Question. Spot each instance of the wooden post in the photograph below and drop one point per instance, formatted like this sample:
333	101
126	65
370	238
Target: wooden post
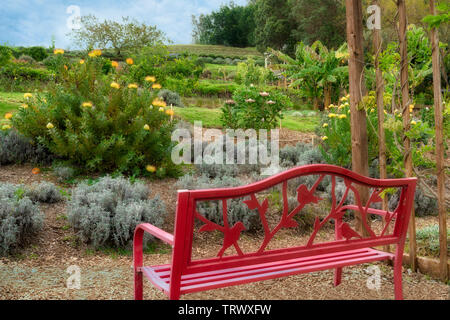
407	156
360	157
377	47
440	168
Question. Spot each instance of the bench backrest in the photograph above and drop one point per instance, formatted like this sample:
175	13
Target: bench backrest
345	236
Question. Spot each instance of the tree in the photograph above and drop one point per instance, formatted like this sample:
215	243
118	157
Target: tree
360	153
231	25
322	20
434	21
128	35
316	70
273	26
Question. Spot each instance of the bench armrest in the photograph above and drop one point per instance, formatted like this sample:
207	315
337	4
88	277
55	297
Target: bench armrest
138	241
156	232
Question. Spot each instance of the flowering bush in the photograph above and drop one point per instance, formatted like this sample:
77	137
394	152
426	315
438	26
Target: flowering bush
98	122
252	108
335	133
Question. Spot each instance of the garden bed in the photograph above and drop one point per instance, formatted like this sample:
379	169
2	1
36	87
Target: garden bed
39	271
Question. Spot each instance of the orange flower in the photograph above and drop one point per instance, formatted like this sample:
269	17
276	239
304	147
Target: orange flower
115	64
129	61
170	112
8	115
36	171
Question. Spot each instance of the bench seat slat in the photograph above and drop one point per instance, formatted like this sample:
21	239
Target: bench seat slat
250	273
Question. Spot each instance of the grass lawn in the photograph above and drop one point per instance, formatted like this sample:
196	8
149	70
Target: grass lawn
216	67
211	118
9	102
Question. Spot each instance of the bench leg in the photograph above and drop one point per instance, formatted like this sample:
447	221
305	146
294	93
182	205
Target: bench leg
337	276
398	286
138	286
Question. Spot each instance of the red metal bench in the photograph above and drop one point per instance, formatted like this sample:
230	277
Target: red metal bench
186	275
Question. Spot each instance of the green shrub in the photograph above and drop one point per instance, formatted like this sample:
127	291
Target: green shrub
252	109
250	73
20	219
15	71
5	55
107	212
99	127
37	53
184	87
213	89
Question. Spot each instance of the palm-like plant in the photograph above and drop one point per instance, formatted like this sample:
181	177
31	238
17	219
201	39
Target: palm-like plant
316	70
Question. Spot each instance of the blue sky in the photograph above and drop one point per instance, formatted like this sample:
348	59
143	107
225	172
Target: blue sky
34	22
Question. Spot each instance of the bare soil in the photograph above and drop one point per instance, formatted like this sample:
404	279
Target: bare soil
39	271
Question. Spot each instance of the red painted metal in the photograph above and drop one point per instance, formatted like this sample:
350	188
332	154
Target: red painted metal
185	275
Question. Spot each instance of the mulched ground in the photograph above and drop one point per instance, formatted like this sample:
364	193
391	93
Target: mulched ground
40	270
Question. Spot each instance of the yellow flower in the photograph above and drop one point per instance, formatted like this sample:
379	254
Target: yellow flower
150	168
95	53
344	99
159	103
50	125
161	109
115	85
413	122
372	110
411	108
8	115
342	116
132	86
324	138
331	106
81	61
325	125
58	51
129	61
156	86
147	127
332	115
170	112
115	64
24	106
150	79
87	104
6	127
385	112
27	95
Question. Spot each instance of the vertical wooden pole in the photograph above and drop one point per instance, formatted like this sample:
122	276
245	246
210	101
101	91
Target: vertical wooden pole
380	107
360	157
406	120
439	122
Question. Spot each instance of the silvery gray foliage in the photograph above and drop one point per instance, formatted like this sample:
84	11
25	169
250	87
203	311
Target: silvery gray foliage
339	193
63	173
107	212
171	98
45	192
423	205
299	155
17	149
212	210
20	219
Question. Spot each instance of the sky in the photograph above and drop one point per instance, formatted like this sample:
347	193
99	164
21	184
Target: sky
34	22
